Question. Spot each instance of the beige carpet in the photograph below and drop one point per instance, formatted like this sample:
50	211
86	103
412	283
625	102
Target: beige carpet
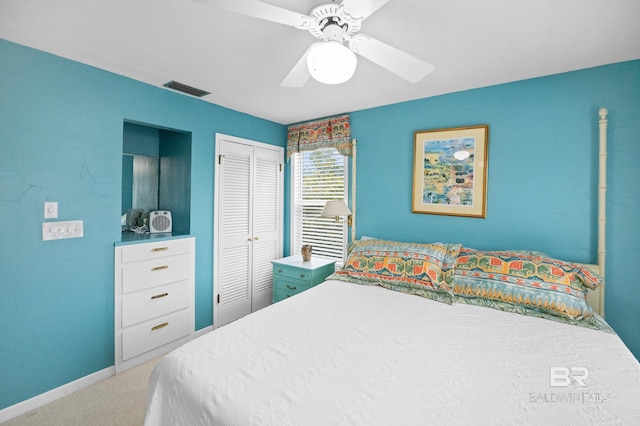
119	400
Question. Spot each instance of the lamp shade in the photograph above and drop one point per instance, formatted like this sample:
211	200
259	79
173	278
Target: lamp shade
335	208
331	62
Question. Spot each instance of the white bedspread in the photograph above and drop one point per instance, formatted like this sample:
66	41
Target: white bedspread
344	354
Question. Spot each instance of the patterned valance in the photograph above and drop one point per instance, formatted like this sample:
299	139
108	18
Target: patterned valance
332	132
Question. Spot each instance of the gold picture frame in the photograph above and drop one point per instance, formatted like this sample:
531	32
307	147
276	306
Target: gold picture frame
450	171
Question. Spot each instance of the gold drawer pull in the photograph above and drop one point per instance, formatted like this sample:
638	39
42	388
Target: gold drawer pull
158	327
160	268
160	249
159	296
291	288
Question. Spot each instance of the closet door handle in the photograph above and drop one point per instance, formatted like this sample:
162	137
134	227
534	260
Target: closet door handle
256	238
159	296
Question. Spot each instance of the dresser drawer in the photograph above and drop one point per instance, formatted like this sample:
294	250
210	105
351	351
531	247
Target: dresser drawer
298	274
156	250
139	339
152	303
143	275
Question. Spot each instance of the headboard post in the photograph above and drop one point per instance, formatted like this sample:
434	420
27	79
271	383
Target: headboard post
602	200
354	143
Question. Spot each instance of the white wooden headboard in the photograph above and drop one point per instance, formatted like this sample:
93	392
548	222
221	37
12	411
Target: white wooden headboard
595	298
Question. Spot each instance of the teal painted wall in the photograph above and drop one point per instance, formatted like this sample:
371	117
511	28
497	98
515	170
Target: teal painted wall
61	134
542	174
139	139
127	182
174	190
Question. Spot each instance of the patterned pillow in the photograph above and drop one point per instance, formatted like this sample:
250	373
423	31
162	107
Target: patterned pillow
422	269
529	283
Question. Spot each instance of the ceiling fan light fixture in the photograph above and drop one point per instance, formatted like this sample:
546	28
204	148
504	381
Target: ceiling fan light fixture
331	62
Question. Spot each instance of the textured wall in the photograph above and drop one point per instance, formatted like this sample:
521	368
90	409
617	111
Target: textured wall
61	133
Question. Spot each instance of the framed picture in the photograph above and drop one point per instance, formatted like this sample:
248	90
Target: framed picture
450	171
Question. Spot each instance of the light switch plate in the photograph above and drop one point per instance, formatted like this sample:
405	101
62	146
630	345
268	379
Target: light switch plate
62	229
51	210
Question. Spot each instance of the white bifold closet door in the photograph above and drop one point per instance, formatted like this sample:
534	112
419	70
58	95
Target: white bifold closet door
249	226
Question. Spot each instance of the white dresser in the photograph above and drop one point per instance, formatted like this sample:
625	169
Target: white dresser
154	299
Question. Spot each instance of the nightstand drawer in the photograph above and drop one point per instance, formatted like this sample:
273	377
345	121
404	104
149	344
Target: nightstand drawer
290	286
280	271
283	289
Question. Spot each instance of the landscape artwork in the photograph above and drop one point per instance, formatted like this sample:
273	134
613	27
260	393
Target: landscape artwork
450	171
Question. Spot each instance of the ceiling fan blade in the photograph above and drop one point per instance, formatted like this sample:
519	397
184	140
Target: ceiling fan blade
398	62
299	74
360	9
260	10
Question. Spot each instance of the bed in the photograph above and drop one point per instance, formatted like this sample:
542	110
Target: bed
408	334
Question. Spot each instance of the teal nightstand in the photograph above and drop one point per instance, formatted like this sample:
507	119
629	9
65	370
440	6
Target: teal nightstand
292	276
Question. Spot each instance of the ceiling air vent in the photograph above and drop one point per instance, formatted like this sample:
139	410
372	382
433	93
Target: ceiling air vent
185	89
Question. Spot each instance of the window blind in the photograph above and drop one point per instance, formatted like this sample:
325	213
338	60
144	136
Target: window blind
318	176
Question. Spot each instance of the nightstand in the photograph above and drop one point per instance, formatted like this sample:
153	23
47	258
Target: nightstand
292	276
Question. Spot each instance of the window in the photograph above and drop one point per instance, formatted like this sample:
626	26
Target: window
318	176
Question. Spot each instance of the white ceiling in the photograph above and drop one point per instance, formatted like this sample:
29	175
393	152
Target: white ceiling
241	60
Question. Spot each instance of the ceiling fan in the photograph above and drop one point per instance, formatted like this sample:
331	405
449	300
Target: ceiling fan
330	61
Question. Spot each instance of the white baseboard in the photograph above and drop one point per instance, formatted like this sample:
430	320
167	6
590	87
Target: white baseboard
38	401
54	394
203	331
